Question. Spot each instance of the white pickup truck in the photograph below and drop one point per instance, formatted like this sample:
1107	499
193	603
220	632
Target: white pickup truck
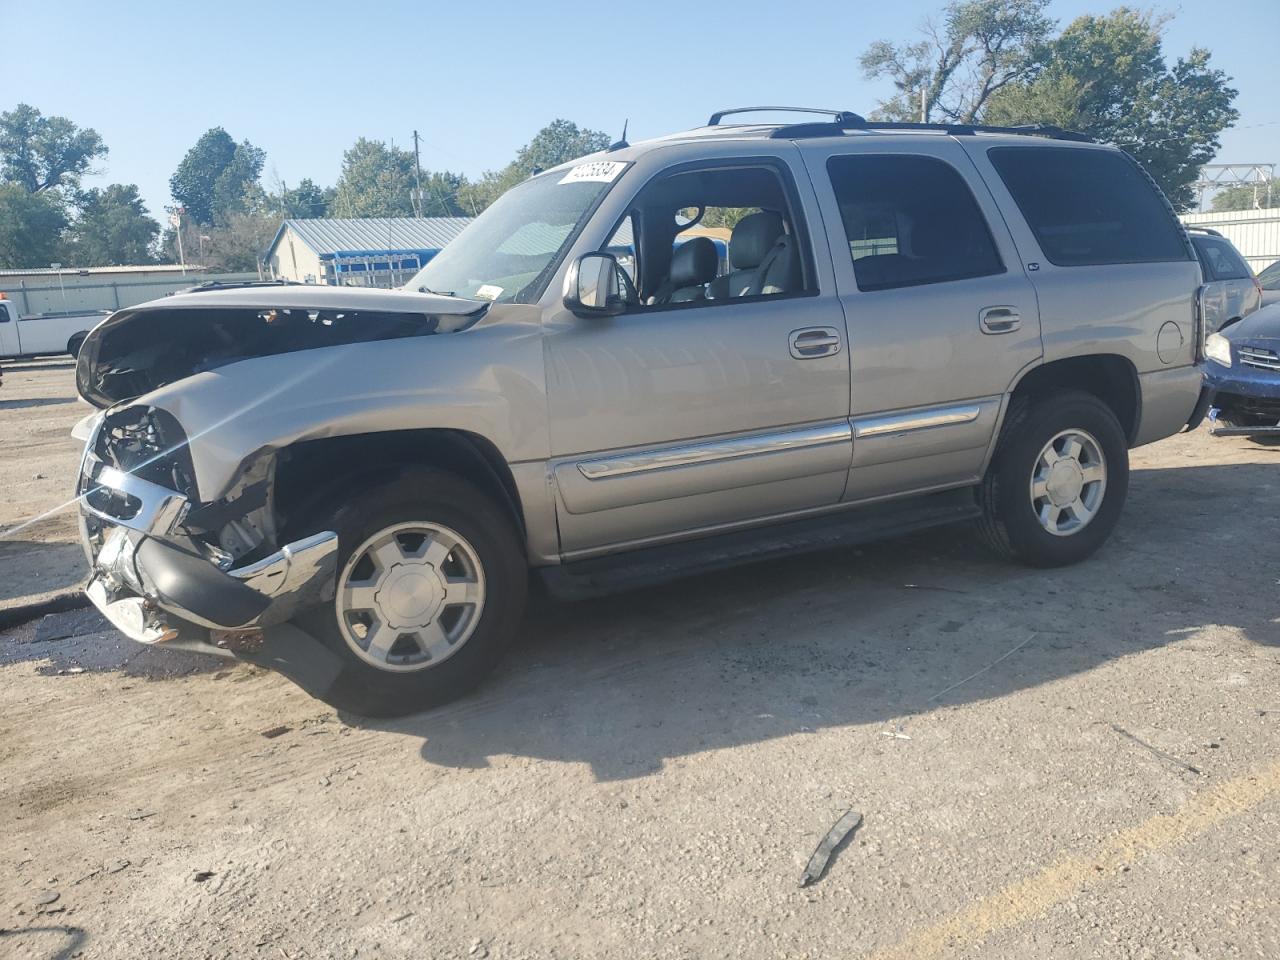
45	334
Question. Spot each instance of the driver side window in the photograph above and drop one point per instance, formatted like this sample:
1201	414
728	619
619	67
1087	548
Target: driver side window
707	236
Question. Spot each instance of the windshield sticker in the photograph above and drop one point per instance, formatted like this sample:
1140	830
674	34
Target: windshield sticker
488	291
601	171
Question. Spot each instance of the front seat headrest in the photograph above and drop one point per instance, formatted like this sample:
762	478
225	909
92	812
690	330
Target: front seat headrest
694	263
752	238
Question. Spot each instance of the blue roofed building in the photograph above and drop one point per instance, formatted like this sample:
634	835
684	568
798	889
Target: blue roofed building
370	252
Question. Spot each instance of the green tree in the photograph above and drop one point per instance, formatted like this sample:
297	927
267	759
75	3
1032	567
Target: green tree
237	245
978	49
218	177
558	142
236	189
376	181
1107	76
42	153
112	228
31	226
303	202
1248	196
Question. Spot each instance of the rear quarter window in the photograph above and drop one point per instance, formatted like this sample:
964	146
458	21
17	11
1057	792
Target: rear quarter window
1089	207
1221	259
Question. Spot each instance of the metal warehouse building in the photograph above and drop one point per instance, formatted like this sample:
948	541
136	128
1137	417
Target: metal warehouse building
372	252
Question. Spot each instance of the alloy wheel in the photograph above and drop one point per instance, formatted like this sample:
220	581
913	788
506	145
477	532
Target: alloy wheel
410	596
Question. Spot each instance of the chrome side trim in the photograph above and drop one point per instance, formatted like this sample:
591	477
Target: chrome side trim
905	422
712	451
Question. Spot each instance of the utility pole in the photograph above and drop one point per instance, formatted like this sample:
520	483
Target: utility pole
924	104
175	218
417	178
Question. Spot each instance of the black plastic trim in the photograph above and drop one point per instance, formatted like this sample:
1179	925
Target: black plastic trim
195	585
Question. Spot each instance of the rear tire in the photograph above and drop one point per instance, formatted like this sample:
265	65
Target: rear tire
431	588
1056	485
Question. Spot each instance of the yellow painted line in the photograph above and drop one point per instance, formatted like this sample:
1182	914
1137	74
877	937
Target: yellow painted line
1024	900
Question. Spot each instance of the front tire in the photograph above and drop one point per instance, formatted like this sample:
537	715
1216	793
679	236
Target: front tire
430	591
1056	485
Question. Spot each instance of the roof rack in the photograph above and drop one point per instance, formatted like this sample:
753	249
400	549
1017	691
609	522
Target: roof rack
845	121
838	116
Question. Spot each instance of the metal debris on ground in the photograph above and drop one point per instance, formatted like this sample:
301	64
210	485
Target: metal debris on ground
817	865
978	673
274	732
895	734
1155	751
200	876
140	814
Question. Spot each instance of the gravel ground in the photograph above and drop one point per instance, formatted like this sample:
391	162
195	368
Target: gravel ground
38	407
1065	764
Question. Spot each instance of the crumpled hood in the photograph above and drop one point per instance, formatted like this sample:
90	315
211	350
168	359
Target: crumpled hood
1262	324
144	347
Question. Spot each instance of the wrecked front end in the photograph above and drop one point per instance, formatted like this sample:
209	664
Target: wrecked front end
185	541
164	565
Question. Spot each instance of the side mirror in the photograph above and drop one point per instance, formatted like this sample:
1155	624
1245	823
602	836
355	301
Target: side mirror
593	286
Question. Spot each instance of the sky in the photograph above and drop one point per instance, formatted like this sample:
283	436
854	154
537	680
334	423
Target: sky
477	80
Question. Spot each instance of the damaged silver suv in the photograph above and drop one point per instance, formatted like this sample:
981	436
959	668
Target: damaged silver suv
914	325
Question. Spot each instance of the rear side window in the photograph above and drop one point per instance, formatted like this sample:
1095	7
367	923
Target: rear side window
1089	207
910	220
4	313
1220	259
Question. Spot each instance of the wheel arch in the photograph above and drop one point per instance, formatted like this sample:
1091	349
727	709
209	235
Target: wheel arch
1112	378
348	462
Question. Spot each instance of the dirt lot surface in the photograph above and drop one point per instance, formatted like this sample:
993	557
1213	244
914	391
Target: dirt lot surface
38	461
1053	765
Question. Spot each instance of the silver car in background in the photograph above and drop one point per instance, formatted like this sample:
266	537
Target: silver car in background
1231	292
1269	281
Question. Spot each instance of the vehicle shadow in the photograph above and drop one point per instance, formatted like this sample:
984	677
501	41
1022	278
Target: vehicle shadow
22	366
32	567
877	634
55	942
19	404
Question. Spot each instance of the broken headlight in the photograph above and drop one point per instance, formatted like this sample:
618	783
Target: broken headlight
150	444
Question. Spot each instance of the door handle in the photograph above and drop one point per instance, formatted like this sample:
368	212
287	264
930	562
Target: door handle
999	319
813	342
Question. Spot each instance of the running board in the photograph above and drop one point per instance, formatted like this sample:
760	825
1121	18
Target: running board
655	565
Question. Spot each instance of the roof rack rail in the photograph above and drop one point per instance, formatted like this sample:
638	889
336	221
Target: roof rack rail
801	131
838	116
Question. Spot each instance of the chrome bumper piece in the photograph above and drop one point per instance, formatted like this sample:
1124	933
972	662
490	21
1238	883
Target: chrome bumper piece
150	581
151	592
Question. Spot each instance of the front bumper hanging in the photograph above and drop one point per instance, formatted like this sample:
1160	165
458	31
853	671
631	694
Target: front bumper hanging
154	587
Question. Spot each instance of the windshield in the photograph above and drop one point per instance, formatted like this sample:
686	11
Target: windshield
508	251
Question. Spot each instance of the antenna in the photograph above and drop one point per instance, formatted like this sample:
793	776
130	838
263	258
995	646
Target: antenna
621	142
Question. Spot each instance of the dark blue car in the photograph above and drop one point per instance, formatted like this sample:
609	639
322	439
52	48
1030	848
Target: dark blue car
1242	371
